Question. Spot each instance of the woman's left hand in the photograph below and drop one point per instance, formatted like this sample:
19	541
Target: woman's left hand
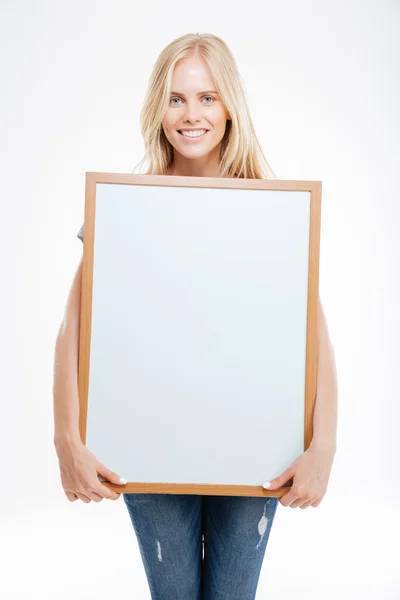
310	473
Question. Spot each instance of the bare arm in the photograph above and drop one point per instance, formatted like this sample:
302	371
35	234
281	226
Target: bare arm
326	406
65	373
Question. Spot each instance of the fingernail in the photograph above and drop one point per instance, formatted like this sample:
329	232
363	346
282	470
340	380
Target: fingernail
122	480
267	484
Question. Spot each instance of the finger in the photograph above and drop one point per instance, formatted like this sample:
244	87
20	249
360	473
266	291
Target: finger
289	498
280	480
317	503
110	475
95	497
298	502
104	491
83	497
71	496
307	504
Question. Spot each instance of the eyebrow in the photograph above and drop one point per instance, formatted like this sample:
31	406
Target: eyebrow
199	93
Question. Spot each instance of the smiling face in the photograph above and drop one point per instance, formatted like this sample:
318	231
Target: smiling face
195	107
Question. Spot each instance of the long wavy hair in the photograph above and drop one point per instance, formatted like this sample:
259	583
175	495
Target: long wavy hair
241	154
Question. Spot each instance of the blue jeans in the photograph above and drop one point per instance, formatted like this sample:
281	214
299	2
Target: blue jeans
197	547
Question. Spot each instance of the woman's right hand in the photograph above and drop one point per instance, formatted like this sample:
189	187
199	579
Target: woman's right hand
79	468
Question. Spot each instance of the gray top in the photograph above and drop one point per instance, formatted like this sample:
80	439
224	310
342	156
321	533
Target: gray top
80	233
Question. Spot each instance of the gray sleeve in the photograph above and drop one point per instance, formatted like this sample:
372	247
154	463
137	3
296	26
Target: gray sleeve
80	233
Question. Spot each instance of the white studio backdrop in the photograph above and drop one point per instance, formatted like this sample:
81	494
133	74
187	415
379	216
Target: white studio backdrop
323	89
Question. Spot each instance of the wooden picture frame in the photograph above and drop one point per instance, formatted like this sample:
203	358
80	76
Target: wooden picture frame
153	234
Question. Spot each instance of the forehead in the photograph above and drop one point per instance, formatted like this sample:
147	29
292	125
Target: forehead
192	74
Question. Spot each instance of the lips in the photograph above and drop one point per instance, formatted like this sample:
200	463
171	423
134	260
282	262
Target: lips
202	129
192	139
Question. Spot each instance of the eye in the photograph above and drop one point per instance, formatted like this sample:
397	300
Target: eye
176	98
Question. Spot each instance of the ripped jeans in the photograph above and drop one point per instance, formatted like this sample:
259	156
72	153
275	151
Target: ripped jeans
197	547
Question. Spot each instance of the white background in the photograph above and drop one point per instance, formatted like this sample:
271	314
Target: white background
322	80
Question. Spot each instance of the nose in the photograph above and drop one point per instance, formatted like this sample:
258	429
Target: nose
193	112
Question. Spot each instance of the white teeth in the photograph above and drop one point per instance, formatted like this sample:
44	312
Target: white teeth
194	133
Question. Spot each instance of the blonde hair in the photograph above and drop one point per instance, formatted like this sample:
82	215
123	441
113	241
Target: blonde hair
241	155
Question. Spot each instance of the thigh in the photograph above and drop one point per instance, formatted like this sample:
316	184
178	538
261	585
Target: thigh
236	532
168	530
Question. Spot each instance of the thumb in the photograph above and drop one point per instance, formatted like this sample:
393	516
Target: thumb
110	475
280	480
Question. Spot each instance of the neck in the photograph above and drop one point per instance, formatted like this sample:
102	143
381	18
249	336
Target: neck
201	167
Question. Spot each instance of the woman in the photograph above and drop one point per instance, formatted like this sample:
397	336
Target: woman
195	122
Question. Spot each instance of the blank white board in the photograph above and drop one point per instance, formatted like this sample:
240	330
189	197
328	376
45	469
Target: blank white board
199	313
